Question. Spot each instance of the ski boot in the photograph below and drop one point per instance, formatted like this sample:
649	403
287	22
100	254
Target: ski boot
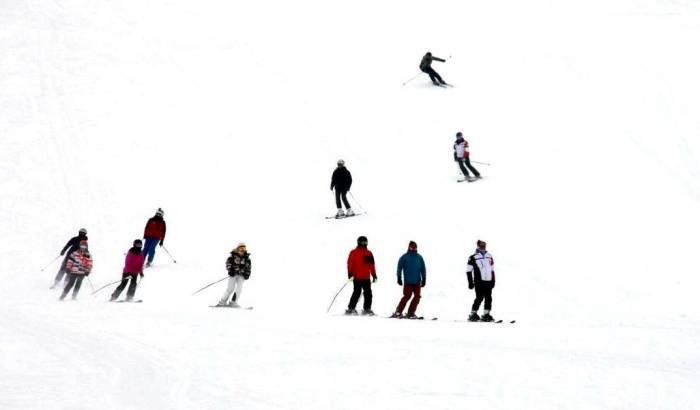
351	312
411	316
350	212
473	317
367	312
486	317
233	305
396	315
340	214
222	304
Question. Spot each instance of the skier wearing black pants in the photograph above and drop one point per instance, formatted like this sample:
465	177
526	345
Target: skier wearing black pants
72	246
461	155
133	267
425	66
360	269
342	181
483	281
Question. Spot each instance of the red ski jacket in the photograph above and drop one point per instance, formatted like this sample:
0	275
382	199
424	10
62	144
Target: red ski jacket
155	228
361	264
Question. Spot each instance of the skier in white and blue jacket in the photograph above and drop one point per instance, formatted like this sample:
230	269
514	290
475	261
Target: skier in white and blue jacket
483	281
412	266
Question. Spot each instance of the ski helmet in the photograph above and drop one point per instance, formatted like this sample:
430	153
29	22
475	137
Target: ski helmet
83	231
459	134
480	244
159	212
341	163
362	241
138	243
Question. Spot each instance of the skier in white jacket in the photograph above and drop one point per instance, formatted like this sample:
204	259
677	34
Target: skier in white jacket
461	155
483	281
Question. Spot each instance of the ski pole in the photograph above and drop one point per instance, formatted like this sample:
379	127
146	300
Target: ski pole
109	284
168	252
213	283
412	78
50	263
482	163
90	282
358	204
336	295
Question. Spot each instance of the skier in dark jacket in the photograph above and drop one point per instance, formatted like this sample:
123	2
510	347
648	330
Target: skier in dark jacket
72	245
412	266
360	269
153	234
484	280
239	268
425	66
342	181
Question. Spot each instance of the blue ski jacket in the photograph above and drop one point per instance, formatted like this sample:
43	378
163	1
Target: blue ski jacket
413	267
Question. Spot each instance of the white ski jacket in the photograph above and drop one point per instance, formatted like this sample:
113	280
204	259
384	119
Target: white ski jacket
482	267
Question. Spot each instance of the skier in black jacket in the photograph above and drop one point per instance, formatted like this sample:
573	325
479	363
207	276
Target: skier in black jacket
425	66
342	181
72	245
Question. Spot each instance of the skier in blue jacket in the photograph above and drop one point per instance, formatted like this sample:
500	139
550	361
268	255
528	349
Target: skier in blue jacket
412	266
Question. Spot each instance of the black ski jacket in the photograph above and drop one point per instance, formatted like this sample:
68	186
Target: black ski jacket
73	244
427	60
238	264
341	179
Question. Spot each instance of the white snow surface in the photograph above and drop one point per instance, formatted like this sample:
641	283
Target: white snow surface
231	116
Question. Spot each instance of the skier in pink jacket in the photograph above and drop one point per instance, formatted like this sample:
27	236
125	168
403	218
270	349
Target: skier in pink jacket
133	266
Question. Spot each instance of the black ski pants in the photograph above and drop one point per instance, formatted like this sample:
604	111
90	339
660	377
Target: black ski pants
341	195
364	286
483	293
132	286
73	279
434	76
465	161
61	270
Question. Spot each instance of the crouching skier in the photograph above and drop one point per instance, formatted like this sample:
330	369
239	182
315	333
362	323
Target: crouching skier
78	265
133	267
238	266
483	281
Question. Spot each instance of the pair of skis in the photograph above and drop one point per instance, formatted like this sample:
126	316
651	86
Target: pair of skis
469	179
345	216
232	307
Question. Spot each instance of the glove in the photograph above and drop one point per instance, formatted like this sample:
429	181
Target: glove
62	253
374	277
349	275
399	281
422	284
161	243
141	274
471	285
494	284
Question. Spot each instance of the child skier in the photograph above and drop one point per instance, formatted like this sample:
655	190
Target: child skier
72	246
78	266
413	268
133	266
461	155
153	234
239	267
483	281
425	66
342	181
360	268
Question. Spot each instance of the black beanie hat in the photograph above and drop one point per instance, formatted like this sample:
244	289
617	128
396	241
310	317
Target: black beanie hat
362	241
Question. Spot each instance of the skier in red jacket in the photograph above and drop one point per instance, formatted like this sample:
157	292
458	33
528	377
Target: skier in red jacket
153	234
360	269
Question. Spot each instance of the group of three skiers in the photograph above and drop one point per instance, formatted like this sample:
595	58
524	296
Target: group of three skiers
77	263
411	274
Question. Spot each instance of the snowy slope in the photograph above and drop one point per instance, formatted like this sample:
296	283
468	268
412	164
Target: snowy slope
231	118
